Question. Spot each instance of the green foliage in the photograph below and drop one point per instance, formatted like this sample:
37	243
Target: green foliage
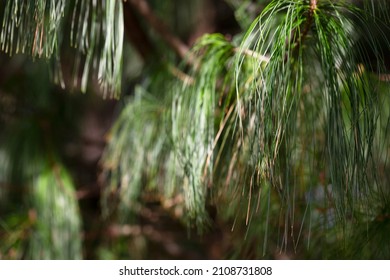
32	27
56	232
37	28
54	228
97	31
284	129
46	224
299	71
138	150
193	138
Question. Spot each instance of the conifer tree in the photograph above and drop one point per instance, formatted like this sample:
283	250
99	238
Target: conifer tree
277	129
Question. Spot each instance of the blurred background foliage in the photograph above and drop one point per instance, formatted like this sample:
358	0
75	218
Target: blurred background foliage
208	129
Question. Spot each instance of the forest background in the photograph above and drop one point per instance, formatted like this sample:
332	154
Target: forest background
202	129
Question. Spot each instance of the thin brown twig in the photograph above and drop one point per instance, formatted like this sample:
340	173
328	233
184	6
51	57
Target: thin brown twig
143	8
253	54
186	79
136	34
219	133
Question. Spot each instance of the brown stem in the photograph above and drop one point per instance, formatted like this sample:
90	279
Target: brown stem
136	34
160	27
313	5
309	22
296	43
